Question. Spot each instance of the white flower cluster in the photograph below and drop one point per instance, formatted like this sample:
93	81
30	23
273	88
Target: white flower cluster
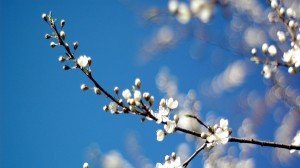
292	58
296	142
165	107
202	9
172	161
217	134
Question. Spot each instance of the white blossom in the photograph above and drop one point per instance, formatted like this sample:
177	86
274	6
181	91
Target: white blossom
83	61
170	126
281	36
274	4
220	134
267	71
160	135
113	107
272	50
84	87
126	94
173	6
292	57
172	104
265	47
137	97
137	83
296	142
183	15
170	162
290	12
85	165
97	90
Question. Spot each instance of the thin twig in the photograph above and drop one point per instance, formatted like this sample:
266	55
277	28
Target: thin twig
185	164
263	143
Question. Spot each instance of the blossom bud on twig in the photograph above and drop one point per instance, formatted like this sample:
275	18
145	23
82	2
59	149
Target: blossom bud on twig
44	16
61	59
138	83
253	51
97	91
62	23
52	44
66	67
84	87
47	36
62	35
116	90
75	45
146	96
264	48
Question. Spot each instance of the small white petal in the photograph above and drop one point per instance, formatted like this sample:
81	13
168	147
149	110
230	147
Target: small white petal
160	135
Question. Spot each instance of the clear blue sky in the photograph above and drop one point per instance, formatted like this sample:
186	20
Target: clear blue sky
47	121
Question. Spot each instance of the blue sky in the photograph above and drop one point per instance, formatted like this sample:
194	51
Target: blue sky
47	121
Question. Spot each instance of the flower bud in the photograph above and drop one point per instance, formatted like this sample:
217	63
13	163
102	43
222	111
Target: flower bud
292	70
274	4
66	67
138	83
272	50
75	45
253	51
52	44
203	135
281	12
281	36
105	108
97	91
44	16
116	90
151	100
290	13
173	155
176	118
85	165
47	36
292	24
61	59
84	87
62	35
264	48
62	23
146	96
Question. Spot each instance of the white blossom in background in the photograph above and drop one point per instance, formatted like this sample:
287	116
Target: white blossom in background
115	160
267	71
173	6
272	50
292	57
203	9
172	161
281	36
84	61
296	142
183	14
